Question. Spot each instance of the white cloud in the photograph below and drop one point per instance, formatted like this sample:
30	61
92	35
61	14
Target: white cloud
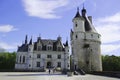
7	28
109	28
48	8
7	46
110	48
114	18
43	8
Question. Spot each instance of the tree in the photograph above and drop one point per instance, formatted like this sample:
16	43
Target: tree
111	63
7	60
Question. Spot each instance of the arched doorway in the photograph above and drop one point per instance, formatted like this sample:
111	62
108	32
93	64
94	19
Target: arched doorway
49	64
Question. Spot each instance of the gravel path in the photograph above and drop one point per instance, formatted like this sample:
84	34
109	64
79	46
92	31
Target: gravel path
46	76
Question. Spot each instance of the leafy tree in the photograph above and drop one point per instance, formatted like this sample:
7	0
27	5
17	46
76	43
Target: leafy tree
111	63
7	60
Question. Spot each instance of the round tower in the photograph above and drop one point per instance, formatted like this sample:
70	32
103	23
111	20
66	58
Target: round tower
85	44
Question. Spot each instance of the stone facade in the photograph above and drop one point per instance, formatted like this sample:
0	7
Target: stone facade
44	53
85	44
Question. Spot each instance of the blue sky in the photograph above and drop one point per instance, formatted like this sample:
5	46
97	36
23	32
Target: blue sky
51	18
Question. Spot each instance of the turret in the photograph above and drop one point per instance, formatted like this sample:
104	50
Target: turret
30	46
30	54
85	43
78	22
83	12
66	55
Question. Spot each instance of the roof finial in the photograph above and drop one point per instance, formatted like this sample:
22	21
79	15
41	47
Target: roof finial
26	37
39	35
83	6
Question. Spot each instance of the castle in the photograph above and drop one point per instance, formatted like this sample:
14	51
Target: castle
42	54
46	53
85	43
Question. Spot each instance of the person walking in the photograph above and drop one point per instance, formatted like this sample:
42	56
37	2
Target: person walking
49	71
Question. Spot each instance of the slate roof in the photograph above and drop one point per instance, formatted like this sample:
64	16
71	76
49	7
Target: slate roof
88	25
43	42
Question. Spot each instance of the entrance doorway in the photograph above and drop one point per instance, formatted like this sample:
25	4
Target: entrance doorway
49	64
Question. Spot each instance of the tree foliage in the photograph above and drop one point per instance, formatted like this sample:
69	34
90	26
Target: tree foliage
111	63
7	60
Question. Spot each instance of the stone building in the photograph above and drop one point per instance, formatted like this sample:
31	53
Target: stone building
42	54
85	43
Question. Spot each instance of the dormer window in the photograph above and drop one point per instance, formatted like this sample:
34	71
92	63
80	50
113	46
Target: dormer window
39	48
49	47
23	59
59	49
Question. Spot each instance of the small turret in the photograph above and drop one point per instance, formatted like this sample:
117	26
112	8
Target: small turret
30	43
77	14
83	11
78	22
66	44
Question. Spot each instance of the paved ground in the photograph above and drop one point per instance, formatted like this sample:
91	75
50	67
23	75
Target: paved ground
46	76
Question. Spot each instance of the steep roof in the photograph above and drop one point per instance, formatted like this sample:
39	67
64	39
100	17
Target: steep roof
78	14
44	44
88	23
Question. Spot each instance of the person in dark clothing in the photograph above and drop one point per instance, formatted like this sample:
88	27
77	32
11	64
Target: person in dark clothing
49	71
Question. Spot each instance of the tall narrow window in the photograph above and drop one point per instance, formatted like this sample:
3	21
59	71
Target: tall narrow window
20	59
76	25
38	64
23	59
59	64
76	36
